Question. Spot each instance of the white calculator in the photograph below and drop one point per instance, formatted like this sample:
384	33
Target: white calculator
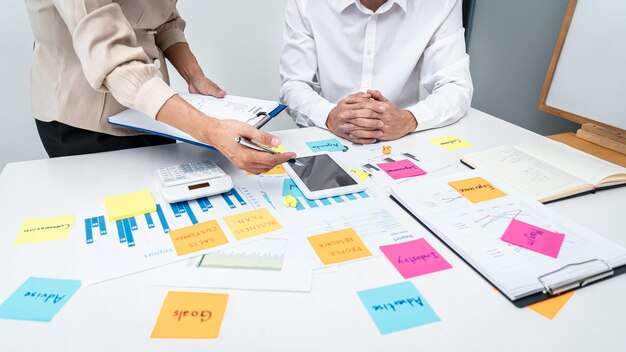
193	180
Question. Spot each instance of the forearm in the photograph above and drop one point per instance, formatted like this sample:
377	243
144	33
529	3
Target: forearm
178	113
184	61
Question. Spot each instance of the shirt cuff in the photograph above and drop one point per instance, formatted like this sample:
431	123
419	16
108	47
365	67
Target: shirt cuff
319	115
170	34
152	96
423	115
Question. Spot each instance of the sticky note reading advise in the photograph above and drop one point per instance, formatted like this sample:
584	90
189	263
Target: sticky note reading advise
252	223
451	142
190	315
339	246
534	238
327	145
128	205
198	237
45	229
401	169
397	307
38	299
415	258
477	189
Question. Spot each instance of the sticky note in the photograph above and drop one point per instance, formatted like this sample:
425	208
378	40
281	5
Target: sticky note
551	307
252	223
477	189
401	169
397	307
339	246
45	229
38	299
277	170
361	175
534	238
190	315
415	258
279	149
451	142
198	237
129	205
327	145
290	188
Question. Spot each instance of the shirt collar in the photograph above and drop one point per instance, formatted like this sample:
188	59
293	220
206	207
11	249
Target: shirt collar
343	4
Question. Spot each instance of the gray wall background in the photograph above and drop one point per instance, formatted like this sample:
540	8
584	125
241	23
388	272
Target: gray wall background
238	44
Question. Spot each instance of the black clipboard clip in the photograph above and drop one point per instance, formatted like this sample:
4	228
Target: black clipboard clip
578	282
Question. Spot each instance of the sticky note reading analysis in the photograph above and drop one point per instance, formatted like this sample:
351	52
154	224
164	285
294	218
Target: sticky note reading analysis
38	299
190	315
339	246
401	169
533	238
198	237
327	145
451	142
45	229
551	307
477	189
397	307
129	205
415	258
252	223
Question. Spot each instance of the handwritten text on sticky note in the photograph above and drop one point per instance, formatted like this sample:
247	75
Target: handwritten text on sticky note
129	205
415	258
291	189
328	145
252	223
477	189
397	307
38	299
534	238
451	142
198	237
339	246
45	229
401	169
190	315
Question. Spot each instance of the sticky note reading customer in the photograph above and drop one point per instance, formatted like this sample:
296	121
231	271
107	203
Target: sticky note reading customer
401	169
534	238
252	223
128	205
415	258
190	315
327	145
45	229
339	246
451	142
38	299
477	189
198	237
397	307
551	307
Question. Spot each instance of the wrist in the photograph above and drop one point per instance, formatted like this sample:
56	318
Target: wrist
411	120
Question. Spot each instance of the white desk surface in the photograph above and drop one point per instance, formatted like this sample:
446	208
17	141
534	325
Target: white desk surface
119	315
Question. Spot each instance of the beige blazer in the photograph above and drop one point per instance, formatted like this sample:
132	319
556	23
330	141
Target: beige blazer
94	58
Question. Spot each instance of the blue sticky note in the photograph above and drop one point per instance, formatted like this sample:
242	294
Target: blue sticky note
397	307
38	299
290	188
327	145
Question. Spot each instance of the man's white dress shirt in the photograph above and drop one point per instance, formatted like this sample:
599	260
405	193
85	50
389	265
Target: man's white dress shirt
333	48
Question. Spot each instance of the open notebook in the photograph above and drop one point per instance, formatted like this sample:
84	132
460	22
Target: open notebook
549	170
473	227
248	110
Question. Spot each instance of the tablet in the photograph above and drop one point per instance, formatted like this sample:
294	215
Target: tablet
320	176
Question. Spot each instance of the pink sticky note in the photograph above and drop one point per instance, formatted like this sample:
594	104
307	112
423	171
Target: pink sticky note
401	169
415	258
534	238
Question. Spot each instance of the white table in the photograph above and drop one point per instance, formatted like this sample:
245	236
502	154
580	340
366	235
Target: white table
119	315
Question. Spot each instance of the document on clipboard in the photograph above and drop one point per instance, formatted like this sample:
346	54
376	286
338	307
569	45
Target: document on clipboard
255	112
522	247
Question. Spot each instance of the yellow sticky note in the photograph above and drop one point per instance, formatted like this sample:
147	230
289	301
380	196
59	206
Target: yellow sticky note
277	170
279	149
477	189
198	237
551	307
128	205
252	223
190	315
45	229
361	175
451	142
339	246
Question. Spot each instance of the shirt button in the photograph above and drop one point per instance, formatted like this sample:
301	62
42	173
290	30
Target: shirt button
369	51
157	63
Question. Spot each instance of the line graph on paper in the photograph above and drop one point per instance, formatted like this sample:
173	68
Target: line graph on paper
267	254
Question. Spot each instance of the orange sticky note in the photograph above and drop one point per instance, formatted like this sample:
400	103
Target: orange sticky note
551	307
339	246
190	315
252	223
477	189
198	237
277	170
